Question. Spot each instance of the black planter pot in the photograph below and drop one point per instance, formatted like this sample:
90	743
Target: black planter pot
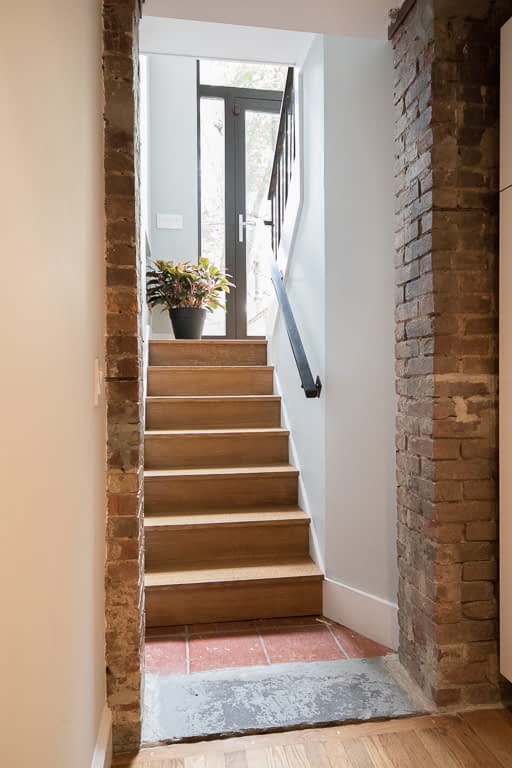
187	322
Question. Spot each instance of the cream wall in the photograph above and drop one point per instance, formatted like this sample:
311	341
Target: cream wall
52	437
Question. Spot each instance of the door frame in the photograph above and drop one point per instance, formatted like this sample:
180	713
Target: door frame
234	174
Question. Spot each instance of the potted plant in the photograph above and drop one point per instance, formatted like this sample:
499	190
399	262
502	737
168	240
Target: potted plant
188	291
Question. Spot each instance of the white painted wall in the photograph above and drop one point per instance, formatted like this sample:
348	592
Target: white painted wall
305	284
341	286
172	161
52	492
204	40
366	18
359	386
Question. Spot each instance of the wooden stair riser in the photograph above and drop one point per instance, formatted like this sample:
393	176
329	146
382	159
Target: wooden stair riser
233	601
163	494
210	381
215	450
213	414
169	547
208	352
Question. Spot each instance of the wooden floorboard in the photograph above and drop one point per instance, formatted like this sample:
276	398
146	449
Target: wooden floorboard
480	739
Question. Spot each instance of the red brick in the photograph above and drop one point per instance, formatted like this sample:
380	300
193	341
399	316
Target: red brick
485	609
446	255
479	571
483	530
474	591
124	577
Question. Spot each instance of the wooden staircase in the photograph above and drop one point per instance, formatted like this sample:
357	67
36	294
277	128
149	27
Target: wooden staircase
224	537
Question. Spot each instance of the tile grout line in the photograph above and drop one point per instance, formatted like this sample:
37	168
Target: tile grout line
263	647
340	646
165	636
187	651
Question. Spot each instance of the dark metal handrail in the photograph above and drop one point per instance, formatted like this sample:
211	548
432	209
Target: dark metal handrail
312	387
284	157
280	179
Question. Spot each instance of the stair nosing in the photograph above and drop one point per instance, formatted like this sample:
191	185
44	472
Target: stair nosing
234	431
153	398
236	523
237	580
228	471
196	368
231	565
208	341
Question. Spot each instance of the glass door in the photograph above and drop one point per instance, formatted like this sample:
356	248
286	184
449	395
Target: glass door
238	130
260	126
212	208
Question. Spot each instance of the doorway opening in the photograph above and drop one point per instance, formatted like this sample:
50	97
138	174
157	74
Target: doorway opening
239	106
236	638
206	170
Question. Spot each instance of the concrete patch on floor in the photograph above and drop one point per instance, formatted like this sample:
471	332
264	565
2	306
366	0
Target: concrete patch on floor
281	696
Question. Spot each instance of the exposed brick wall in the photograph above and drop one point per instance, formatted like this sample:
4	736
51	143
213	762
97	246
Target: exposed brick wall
446	142
124	567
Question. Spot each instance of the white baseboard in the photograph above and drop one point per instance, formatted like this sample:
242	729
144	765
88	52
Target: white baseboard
367	614
102	757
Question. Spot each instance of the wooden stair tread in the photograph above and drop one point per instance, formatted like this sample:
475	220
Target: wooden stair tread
228	571
198	369
229	431
208	342
212	398
269	469
255	515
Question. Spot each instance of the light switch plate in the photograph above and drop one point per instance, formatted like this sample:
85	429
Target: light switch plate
169	221
98	382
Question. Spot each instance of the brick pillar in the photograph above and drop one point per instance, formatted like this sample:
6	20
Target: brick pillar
446	148
124	566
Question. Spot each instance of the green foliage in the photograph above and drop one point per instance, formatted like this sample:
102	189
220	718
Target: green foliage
186	285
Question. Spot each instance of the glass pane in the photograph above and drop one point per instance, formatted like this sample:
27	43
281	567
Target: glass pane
260	137
239	74
213	240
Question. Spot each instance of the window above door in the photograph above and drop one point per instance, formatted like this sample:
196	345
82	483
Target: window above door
242	74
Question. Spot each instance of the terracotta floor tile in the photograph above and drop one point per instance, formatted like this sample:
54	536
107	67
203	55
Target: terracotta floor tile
166	657
217	651
300	644
165	631
356	646
289	621
221	626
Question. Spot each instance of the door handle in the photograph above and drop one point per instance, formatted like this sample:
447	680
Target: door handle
241	226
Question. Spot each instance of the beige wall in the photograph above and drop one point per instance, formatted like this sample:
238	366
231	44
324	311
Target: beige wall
52	437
